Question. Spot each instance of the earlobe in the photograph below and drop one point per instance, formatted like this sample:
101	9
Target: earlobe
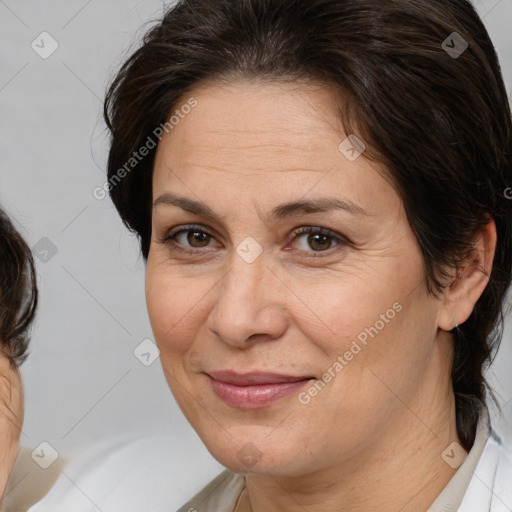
462	294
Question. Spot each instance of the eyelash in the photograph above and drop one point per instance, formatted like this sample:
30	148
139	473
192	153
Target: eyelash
340	240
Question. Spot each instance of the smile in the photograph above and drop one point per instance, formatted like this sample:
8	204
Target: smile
255	390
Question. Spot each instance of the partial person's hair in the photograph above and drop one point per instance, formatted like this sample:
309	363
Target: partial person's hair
18	293
440	122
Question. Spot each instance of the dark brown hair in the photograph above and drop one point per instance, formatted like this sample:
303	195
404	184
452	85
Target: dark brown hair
18	292
440	122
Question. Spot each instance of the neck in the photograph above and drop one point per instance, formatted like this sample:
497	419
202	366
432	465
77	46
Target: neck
402	470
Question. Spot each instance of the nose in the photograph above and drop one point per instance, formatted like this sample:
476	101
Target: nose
249	304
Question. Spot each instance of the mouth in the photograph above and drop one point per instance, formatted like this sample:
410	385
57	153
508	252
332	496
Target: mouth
254	390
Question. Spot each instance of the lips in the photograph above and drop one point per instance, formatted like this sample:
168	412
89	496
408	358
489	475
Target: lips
253	378
256	389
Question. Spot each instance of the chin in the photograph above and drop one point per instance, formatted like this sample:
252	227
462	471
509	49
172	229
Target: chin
250	451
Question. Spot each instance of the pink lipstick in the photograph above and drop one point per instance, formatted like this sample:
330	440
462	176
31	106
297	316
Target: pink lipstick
254	390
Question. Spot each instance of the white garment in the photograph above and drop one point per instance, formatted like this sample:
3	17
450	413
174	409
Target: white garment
490	488
147	473
150	474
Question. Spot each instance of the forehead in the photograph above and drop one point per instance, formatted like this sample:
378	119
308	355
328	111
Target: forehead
260	136
244	118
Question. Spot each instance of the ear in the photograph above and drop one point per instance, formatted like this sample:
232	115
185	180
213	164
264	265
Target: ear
471	279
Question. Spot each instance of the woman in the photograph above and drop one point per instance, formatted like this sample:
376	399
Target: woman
18	292
318	188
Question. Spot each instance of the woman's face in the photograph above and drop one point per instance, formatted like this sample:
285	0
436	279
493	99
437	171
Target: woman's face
341	309
11	418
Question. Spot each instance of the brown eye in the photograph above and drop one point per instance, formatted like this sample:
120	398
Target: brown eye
188	238
198	239
319	242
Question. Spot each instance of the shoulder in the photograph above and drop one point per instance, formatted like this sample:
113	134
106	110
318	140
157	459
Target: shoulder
220	495
490	488
29	481
129	474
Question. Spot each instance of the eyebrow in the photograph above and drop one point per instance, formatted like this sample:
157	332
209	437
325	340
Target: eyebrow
280	212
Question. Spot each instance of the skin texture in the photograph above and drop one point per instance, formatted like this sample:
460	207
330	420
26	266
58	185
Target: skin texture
11	418
372	438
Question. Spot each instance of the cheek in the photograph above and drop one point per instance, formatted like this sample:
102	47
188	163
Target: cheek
379	355
175	306
370	323
344	309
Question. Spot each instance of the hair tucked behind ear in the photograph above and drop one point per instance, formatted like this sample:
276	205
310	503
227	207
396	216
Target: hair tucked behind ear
18	292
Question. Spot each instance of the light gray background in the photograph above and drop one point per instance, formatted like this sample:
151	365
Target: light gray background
82	381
